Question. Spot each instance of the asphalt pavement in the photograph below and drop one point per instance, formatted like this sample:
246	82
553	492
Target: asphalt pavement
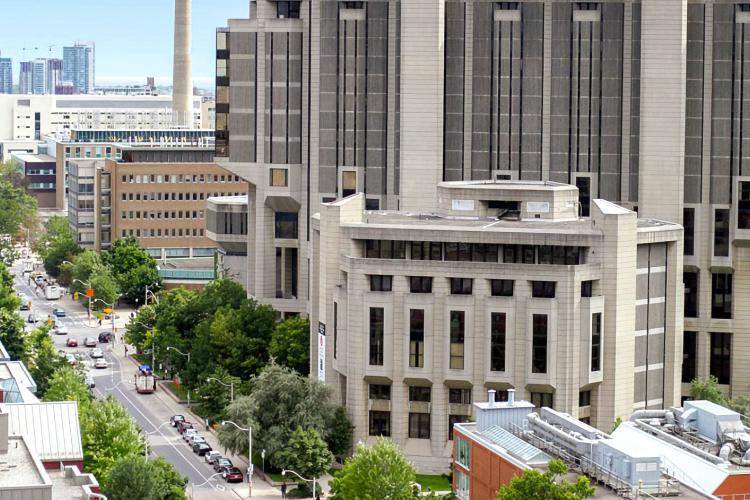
151	411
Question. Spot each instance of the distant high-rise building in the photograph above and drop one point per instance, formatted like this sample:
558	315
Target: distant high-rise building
6	75
39	76
54	74
78	66
24	78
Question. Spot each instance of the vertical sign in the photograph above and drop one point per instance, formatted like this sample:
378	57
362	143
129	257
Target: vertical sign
321	351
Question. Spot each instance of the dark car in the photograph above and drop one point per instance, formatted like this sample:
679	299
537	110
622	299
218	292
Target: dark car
176	419
31	318
232	474
59	312
89	342
105	337
201	448
25	306
221	463
183	426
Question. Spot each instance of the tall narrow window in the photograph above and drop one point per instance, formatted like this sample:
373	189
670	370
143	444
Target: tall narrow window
596	342
335	329
721	356
690	280
689	355
455	419
416	338
376	335
497	342
688	222
419	394
419	425
721	295
584	194
457	330
380	423
348	183
539	344
743	206
721	232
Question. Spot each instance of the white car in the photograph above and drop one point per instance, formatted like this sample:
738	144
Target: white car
196	439
100	363
189	434
90	381
211	456
61	330
96	353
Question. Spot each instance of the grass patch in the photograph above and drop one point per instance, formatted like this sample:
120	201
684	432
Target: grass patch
178	391
434	482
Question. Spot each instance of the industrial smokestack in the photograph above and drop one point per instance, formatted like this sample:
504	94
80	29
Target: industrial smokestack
182	70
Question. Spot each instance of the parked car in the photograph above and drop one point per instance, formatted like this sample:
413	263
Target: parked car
211	457
61	330
25	304
89	342
96	353
176	419
201	448
100	363
71	343
71	358
31	318
90	380
59	312
196	439
232	475
105	337
221	463
188	434
183	426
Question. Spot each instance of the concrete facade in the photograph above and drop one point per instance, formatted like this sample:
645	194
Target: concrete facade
577	313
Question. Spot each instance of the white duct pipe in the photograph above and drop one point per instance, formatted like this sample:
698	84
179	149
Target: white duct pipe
647	414
680	443
574	442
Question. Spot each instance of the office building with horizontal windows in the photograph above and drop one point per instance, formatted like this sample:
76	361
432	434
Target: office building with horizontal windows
504	286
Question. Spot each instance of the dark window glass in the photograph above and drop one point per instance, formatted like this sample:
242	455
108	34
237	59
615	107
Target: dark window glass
419	425
584	194
372	204
372	249
419	394
743	206
528	254
385	249
451	251
380	423
481	252
721	356
289	10
587	288
539	344
461	286
543	289
376	336
464	252
688	222
459	396
416	338
457	331
584	398
545	254
455	419
509	254
721	295
436	251
286	225
690	279
540	399
380	283
689	355
721	232
497	342
420	284
418	250
501	288
596	342
380	391
558	255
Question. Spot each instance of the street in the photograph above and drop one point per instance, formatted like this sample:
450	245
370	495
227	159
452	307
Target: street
151	411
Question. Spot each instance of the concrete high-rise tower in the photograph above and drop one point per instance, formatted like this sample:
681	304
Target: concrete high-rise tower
182	71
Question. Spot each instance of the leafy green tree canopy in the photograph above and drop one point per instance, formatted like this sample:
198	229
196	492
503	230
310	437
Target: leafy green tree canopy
135	477
68	384
9	300
56	246
547	485
290	344
708	389
133	268
375	472
12	335
306	453
44	359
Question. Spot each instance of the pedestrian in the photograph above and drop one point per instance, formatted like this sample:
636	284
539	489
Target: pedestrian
283	490
100	321
126	350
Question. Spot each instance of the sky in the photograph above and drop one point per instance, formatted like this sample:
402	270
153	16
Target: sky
133	37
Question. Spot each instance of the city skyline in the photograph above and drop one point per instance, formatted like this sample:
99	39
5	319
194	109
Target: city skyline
149	38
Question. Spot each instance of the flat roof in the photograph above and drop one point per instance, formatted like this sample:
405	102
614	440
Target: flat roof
710	406
34	158
229	200
52	428
509	185
20	467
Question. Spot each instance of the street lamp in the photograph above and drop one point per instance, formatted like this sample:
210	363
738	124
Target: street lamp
217	487
249	454
313	480
153	341
230	385
88	287
170	348
145	444
145	298
112	308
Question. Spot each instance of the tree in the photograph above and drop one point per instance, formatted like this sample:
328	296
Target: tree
9	301
548	485
68	384
707	388
108	435
57	245
306	453
44	359
90	269
290	344
135	331
374	472
215	397
105	288
17	210
340	437
12	335
132	267
135	477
